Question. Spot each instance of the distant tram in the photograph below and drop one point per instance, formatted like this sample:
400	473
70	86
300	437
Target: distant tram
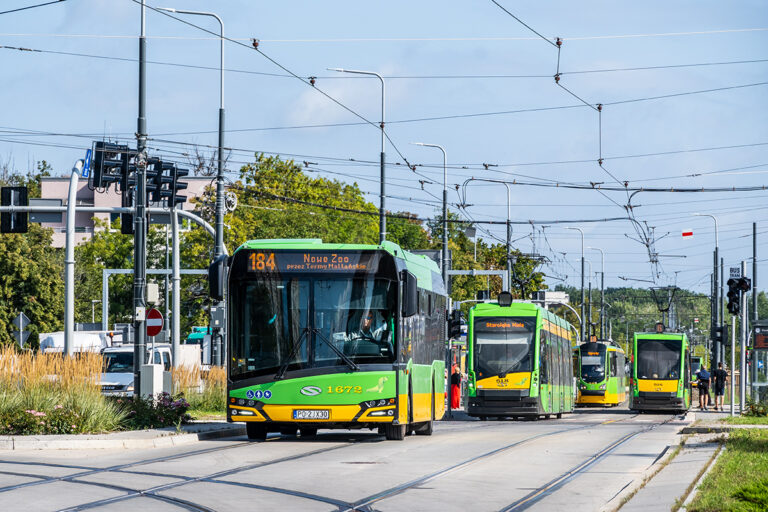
601	374
519	361
661	372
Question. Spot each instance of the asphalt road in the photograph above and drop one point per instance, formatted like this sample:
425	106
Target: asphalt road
580	462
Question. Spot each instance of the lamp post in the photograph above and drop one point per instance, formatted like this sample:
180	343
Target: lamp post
582	277
717	320
444	266
382	216
602	290
219	244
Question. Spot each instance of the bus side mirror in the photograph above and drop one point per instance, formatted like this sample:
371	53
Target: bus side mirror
410	294
217	277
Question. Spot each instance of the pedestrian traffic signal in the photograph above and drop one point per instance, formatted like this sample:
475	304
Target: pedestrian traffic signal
734	296
721	334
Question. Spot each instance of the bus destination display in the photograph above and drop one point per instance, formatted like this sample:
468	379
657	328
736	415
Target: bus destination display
311	262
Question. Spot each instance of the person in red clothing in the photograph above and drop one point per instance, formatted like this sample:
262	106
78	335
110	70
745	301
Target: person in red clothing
455	388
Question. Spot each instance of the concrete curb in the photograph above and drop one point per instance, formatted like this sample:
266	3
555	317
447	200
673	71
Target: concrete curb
616	502
144	439
695	490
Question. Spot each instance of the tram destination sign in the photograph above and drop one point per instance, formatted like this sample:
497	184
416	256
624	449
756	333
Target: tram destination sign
312	261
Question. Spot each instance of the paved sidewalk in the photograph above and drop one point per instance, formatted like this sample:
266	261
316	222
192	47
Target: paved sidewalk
132	439
671	484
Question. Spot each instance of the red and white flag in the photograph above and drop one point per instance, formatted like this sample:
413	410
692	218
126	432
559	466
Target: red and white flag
687	232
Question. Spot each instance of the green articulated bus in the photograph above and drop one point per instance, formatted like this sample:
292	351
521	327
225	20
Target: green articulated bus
519	360
332	336
601	373
661	372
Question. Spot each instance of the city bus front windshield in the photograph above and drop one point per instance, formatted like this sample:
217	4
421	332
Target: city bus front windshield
304	322
658	359
503	345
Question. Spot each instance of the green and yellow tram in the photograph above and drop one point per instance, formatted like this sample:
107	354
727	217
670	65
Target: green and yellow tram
332	336
661	372
601	374
519	360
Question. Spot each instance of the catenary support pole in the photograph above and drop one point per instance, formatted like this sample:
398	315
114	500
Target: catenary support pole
743	351
733	365
176	318
69	261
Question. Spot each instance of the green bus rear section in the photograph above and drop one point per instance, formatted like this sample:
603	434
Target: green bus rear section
543	395
677	400
410	393
612	389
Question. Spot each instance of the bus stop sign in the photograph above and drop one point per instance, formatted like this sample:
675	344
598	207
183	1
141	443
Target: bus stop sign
154	322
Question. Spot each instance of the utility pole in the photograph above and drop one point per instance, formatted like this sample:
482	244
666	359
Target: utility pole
140	218
744	320
582	279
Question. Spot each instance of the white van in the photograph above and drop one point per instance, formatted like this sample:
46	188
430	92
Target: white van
117	379
82	341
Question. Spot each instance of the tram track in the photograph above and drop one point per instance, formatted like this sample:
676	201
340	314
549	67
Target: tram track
555	484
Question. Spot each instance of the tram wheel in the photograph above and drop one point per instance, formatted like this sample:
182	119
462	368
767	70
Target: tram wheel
308	431
482	418
559	415
256	432
395	432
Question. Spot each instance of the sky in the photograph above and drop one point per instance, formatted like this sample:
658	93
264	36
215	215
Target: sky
683	86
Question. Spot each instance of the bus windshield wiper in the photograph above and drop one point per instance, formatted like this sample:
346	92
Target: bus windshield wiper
294	350
339	353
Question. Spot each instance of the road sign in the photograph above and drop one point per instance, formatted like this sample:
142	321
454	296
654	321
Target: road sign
736	272
51	217
21	322
86	165
154	322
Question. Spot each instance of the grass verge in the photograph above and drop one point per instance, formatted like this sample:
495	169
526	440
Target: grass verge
746	420
739	480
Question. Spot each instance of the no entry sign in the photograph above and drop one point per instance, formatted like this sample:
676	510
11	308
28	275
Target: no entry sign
154	322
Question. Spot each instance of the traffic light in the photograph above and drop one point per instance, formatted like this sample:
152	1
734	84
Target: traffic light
734	296
454	324
14	222
176	186
721	334
110	164
744	284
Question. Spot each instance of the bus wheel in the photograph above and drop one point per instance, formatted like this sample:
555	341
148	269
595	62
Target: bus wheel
482	418
288	431
256	432
425	429
395	432
308	431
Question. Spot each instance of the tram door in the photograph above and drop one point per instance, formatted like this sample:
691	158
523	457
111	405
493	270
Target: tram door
563	360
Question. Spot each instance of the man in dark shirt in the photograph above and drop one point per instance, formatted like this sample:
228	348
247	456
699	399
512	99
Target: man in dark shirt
721	378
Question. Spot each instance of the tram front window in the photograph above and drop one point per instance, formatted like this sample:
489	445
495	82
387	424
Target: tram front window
593	364
503	345
658	359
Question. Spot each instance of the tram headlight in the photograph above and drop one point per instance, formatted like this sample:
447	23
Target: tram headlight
602	387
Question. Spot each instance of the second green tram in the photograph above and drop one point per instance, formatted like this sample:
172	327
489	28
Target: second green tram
519	362
601	374
661	372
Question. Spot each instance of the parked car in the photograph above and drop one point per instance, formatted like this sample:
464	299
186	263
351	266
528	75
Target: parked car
117	379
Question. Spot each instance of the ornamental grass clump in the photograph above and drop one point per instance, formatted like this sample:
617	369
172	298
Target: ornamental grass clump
51	394
205	390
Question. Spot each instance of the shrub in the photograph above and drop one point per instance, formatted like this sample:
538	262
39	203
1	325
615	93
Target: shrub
758	409
148	412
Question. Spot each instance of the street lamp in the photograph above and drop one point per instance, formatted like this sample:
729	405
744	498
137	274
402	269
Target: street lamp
602	289
582	277
445	209
716	296
219	244
382	216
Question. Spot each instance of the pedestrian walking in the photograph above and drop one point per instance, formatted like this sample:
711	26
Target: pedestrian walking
455	388
703	386
721	379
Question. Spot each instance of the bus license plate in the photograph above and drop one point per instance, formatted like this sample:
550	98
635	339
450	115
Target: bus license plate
311	414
